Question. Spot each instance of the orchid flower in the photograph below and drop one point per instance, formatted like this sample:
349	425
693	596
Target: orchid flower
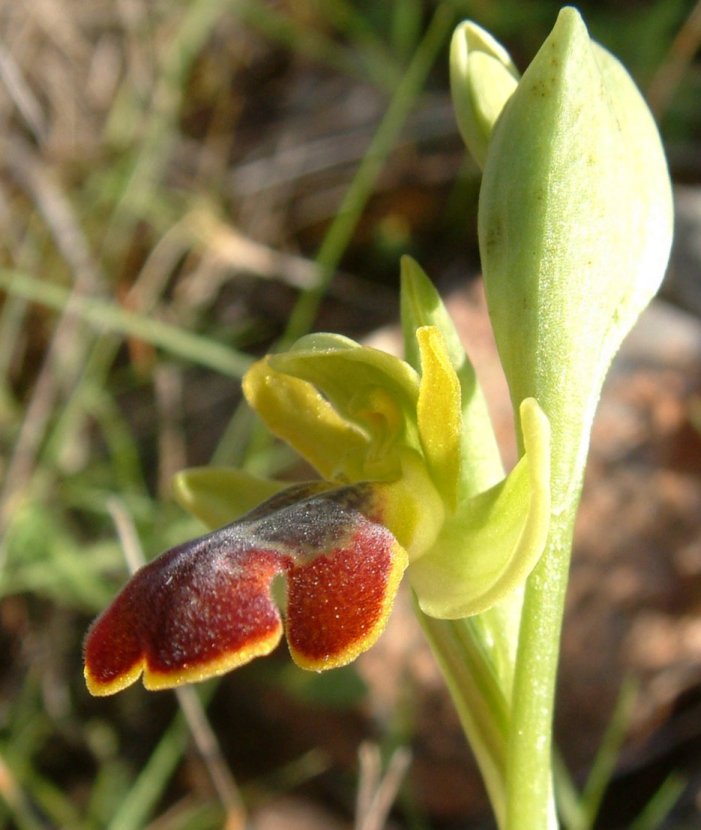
397	493
574	225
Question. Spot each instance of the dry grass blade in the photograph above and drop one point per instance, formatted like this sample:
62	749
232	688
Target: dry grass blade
172	453
376	793
210	752
230	247
64	359
202	733
21	94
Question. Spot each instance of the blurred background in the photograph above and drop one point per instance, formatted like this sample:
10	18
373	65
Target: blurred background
187	184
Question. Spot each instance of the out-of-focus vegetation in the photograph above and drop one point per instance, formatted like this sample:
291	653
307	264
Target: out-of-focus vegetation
184	184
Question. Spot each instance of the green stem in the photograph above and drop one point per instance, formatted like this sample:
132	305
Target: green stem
478	697
530	800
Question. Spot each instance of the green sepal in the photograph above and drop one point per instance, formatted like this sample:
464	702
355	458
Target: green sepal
490	546
219	495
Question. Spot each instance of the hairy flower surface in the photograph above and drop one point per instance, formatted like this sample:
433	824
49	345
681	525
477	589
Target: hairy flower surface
208	606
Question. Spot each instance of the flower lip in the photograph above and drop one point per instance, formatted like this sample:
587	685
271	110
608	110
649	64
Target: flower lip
206	606
195	611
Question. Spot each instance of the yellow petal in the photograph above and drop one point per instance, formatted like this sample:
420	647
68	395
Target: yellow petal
439	413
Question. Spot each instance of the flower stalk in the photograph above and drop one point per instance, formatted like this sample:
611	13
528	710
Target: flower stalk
574	228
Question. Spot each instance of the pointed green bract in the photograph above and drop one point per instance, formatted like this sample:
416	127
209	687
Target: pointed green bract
575	222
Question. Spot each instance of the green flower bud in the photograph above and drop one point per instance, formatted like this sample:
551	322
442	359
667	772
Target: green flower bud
575	227
482	79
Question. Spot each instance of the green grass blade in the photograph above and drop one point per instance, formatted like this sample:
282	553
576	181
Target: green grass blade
148	787
567	796
105	315
341	231
314	45
605	761
660	805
